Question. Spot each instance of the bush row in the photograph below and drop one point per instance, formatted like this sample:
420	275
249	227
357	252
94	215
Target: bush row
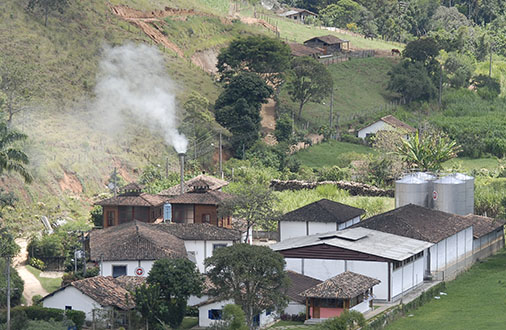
24	313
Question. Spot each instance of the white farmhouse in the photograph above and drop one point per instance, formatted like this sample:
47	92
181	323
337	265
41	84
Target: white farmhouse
387	123
451	234
94	293
318	217
396	261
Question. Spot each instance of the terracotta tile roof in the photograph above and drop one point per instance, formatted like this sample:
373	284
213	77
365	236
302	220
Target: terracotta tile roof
206	198
199	231
132	186
417	222
343	286
328	39
301	50
212	182
484	225
106	291
130	283
394	122
298	284
135	240
323	210
143	199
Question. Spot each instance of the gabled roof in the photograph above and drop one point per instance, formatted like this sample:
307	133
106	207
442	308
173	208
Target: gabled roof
484	225
298	284
362	240
346	285
135	240
417	222
199	231
294	11
212	182
143	199
105	290
302	50
328	39
323	210
210	197
394	122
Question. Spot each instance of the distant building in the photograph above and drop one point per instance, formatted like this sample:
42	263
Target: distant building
318	217
488	235
300	50
329	43
297	14
212	182
132	204
387	123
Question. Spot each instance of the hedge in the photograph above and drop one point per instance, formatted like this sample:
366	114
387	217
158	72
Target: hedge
46	314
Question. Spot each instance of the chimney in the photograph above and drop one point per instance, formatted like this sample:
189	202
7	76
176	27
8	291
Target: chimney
181	160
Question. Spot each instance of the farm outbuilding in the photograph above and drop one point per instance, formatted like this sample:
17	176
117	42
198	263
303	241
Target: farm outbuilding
329	43
387	123
298	14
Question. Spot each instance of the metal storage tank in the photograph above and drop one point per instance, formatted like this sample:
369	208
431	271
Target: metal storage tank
411	190
449	195
430	178
469	183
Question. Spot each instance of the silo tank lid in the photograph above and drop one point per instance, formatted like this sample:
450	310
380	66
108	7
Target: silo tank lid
410	179
449	180
461	176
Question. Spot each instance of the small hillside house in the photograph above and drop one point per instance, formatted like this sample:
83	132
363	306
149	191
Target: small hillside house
346	291
387	123
396	261
318	217
212	182
329	43
132	204
298	15
450	234
97	293
200	205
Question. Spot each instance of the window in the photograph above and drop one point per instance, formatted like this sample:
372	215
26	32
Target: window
215	314
110	218
206	218
219	246
68	308
119	270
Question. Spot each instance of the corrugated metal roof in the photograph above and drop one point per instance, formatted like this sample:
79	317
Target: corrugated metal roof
373	242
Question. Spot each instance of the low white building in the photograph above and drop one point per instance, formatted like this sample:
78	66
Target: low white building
396	261
89	294
387	123
211	311
132	248
319	217
488	235
451	235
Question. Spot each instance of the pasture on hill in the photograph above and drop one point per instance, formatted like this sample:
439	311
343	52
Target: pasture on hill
475	300
331	153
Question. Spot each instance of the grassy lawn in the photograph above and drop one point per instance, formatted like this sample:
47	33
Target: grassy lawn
330	153
49	284
475	300
285	323
468	164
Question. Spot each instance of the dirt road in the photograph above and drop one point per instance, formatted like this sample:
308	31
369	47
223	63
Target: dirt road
268	123
32	284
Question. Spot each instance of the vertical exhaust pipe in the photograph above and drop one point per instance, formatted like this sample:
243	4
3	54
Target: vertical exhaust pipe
181	161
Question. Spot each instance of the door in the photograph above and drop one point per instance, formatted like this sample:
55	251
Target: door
316	312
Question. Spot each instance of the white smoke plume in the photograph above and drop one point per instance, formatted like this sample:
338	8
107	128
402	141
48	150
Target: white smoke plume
133	82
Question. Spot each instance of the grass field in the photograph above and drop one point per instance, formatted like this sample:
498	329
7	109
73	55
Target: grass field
330	154
291	324
49	284
475	300
465	164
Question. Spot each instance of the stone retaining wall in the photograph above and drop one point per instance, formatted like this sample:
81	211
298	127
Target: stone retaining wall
354	188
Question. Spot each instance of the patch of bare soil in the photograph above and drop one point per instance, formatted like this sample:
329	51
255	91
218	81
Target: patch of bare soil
314	138
268	123
207	60
71	183
32	285
257	21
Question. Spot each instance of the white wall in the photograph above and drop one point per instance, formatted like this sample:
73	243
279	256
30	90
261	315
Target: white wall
204	320
372	129
321	227
70	296
106	266
407	277
294	308
362	307
322	269
289	229
455	248
203	250
374	269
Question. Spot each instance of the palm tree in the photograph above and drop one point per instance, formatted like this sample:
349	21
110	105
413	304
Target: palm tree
12	158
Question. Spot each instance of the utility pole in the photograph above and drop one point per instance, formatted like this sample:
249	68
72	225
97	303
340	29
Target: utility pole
84	253
115	181
166	167
221	157
331	110
8	292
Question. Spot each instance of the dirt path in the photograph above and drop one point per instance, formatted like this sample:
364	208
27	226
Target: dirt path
32	284
268	123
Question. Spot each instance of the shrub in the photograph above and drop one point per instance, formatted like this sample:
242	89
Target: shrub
48	314
351	139
37	263
36	300
77	317
347	320
333	173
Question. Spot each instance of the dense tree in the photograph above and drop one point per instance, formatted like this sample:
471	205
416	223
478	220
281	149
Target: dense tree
238	108
47	6
309	81
253	203
14	87
198	121
283	130
428	152
12	158
411	81
488	87
341	13
170	284
9	248
253	276
422	50
268	57
459	68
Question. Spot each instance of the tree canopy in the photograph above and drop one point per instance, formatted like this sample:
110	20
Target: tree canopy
12	158
48	5
253	276
268	57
